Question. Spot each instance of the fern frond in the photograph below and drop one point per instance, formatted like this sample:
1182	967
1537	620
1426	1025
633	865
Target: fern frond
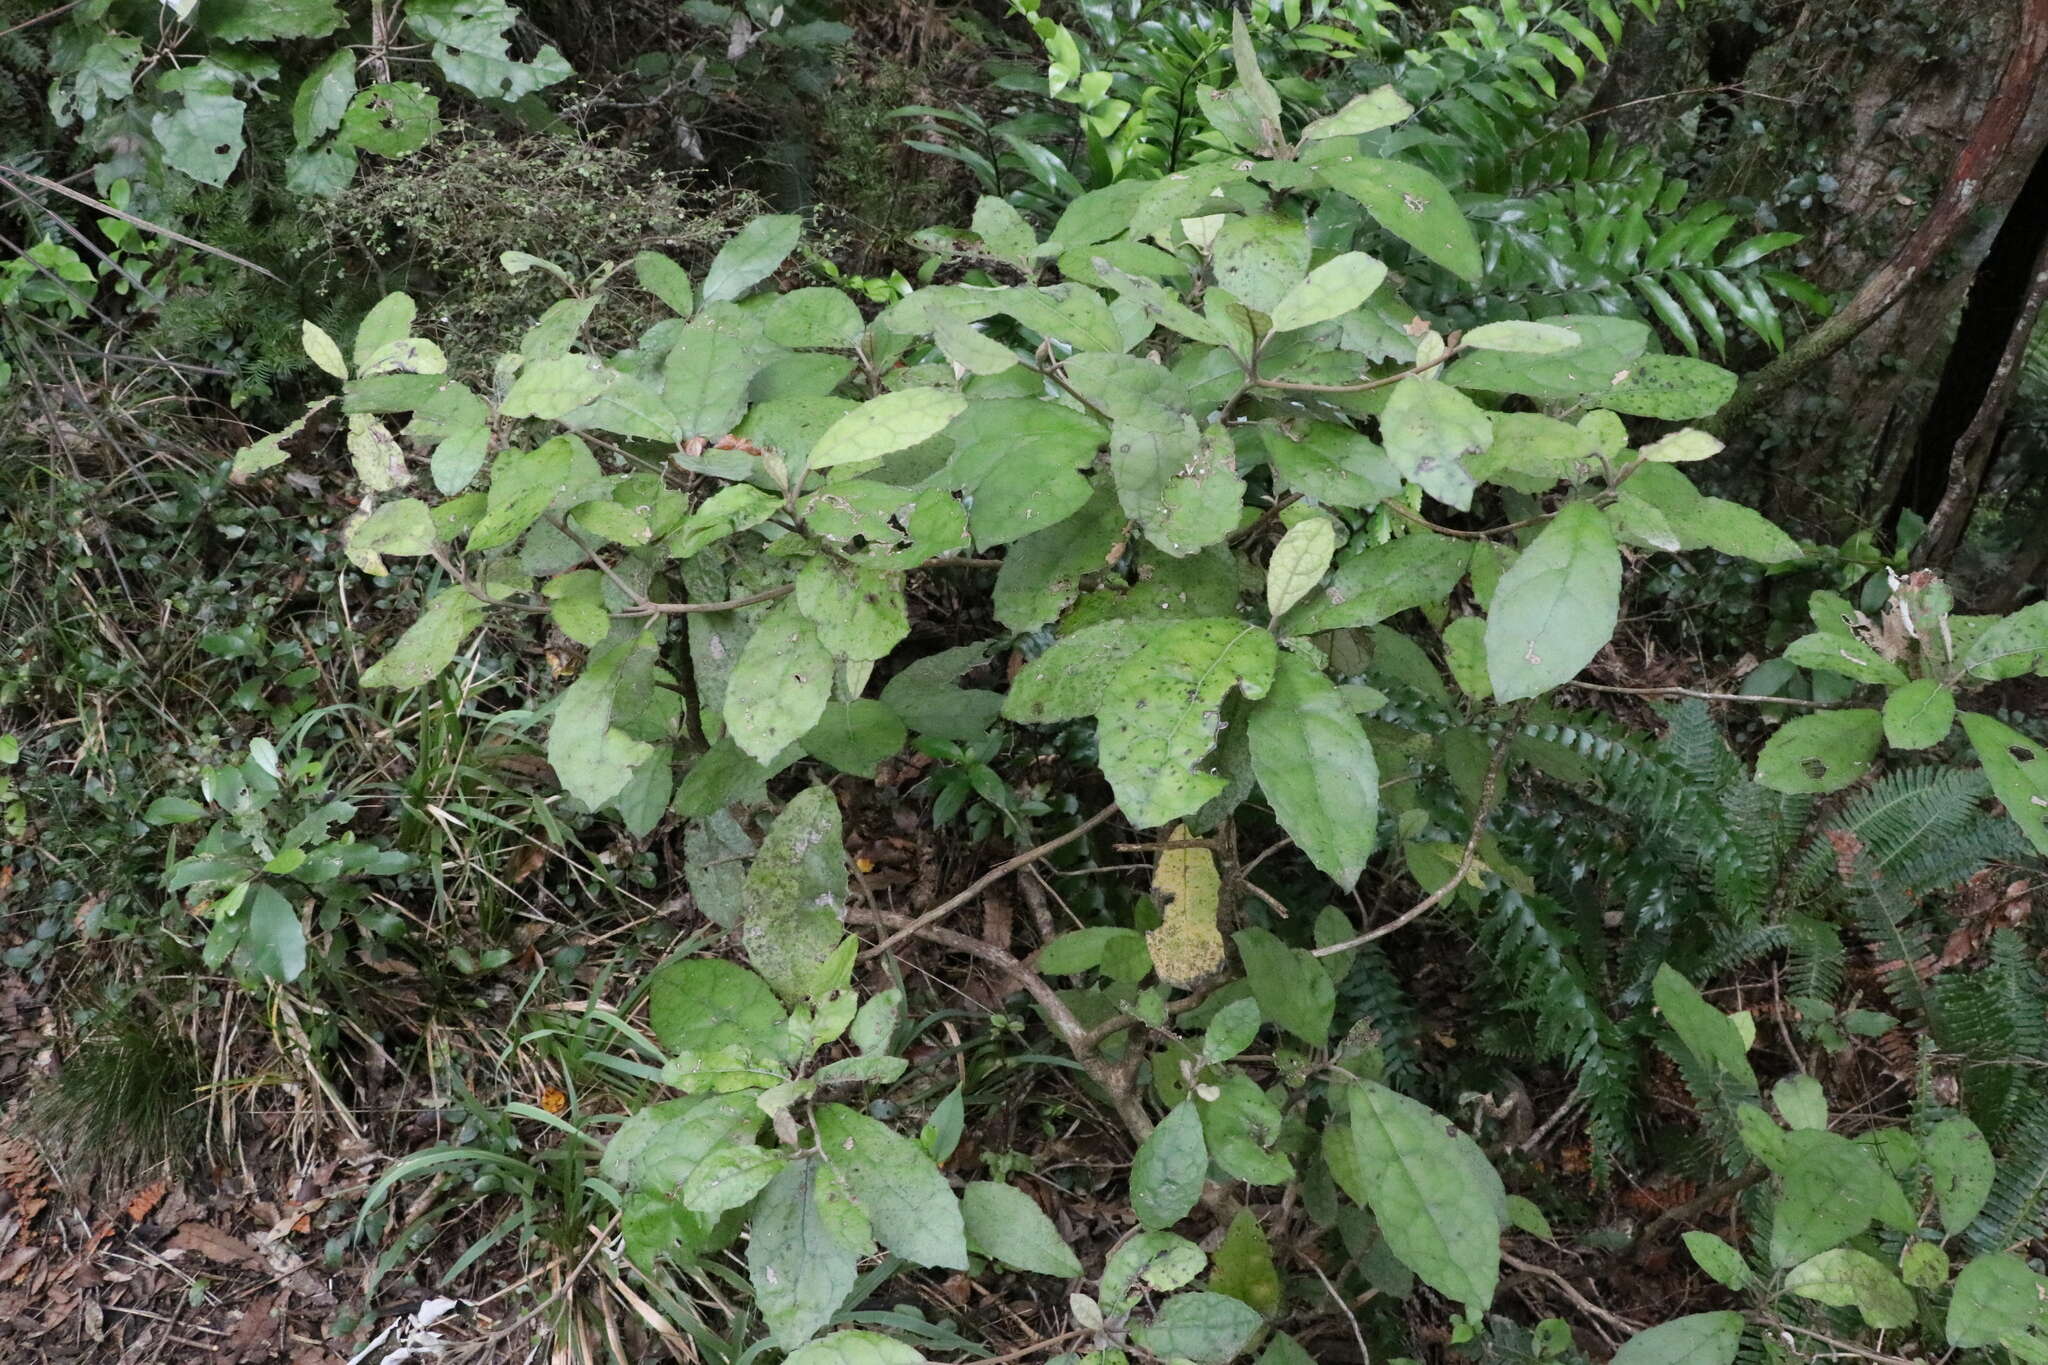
2017	1211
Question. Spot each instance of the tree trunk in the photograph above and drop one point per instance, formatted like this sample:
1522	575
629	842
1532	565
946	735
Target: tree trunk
1899	137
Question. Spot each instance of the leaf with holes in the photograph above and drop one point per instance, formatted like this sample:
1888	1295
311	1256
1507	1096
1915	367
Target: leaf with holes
1430	430
1405	200
1823	752
395	119
1164	707
2018	772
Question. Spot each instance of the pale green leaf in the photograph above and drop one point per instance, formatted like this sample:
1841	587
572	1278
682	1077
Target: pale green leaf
1298	562
1261	259
881	426
1316	767
1698	1339
523	483
429	643
1007	1225
1823	752
755	252
1523	338
592	757
322	350
1672	388
1430	430
856	1348
1683	447
1843	1278
1367	113
1405	200
1961	1169
780	685
1718	1259
2018	772
666	280
1163	710
912	1208
1995	1297
404	527
1418	569
1169	1170
1919	715
1556	606
1433	1192
1331	290
795	895
801	1271
1177	480
1208	1329
857	612
1290	985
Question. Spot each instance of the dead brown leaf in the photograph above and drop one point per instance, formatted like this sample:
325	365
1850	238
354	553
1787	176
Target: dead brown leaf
216	1246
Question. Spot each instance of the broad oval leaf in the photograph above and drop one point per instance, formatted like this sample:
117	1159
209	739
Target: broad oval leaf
1823	752
1006	1224
1556	606
884	425
1316	766
912	1208
1169	1170
1697	1339
1437	1199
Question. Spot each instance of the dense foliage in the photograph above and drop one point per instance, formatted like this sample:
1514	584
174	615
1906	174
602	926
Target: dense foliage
1124	753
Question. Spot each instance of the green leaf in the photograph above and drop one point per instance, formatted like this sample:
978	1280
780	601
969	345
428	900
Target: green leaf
1437	1199
1164	708
404	527
1523	338
594	758
2018	773
1556	606
1333	464
1019	460
666	280
856	737
1367	113
202	137
2011	646
551	389
1405	200
881	426
1169	1170
1418	569
1723	1262
1291	986
704	1004
1316	767
472	50
1042	573
1431	430
1995	1297
523	483
273	942
1299	562
780	685
322	351
801	1270
1231	1030
856	1348
1833	1188
1961	1169
173	810
395	119
1845	655
1800	1101
1177	480
729	1178
1842	1278
905	1197
1244	1266
859	613
928	699
705	378
1683	447
814	317
1698	1339
755	252
1924	1265
429	643
389	319
1671	388
1261	258
1823	752
1919	715
1007	1225
263	21
1709	1035
1332	289
1208	1329
795	896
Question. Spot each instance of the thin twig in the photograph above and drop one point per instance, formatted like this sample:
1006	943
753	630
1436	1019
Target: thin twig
1693	692
1705	1199
1357	1334
1489	797
994	875
1579	1301
130	218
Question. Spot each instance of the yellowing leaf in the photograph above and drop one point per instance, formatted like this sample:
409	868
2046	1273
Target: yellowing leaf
1187	946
